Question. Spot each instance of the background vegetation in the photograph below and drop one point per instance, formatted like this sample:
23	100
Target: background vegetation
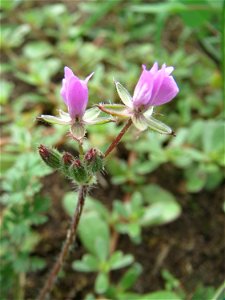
150	181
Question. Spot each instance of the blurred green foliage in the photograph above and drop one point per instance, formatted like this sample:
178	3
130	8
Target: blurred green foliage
112	38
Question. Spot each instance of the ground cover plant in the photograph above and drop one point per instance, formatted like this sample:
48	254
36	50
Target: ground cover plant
152	224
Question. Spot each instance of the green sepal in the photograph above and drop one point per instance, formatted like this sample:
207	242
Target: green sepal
102	120
67	161
97	164
124	94
159	126
55	120
94	160
78	173
114	110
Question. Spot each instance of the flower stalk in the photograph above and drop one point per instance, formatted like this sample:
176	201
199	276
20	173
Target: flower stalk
71	234
118	138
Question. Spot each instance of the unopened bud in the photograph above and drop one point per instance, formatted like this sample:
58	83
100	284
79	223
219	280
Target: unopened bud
78	172
67	160
94	160
50	156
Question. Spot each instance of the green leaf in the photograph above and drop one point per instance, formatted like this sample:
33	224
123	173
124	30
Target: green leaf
213	136
160	213
195	178
91	205
6	89
161	295
101	283
88	264
90	228
118	260
163	207
130	277
37	50
219	294
101	248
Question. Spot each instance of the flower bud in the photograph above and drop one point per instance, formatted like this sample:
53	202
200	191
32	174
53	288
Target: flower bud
67	160
94	160
78	172
50	156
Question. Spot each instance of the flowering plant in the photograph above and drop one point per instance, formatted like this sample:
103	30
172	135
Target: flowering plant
155	87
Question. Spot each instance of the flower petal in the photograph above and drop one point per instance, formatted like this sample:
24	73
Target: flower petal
68	73
143	89
124	94
158	80
63	90
154	68
77	97
168	90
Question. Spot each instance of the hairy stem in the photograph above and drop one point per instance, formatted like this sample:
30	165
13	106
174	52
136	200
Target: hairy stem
71	234
118	138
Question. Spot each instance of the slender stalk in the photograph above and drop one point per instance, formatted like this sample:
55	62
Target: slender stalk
71	234
119	137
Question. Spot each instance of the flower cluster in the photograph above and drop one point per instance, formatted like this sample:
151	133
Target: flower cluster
154	87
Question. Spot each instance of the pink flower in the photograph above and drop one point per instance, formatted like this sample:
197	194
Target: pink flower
155	87
75	93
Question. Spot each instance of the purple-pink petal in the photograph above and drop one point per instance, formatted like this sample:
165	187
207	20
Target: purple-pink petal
143	89
77	97
68	73
74	93
155	87
63	90
167	91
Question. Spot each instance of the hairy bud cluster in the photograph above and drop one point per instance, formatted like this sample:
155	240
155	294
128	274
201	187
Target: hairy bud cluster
81	171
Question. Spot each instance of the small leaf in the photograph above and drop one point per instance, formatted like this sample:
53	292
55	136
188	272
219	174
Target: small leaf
37	50
161	295
88	264
6	90
102	248
119	260
90	228
130	277
101	283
